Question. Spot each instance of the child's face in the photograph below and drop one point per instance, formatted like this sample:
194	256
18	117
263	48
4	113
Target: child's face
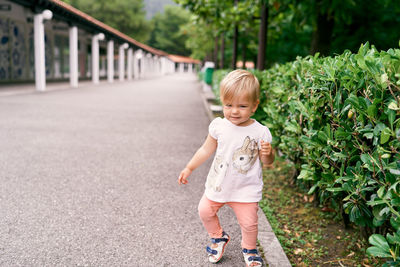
239	109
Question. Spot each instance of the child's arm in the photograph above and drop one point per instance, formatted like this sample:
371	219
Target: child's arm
202	154
267	154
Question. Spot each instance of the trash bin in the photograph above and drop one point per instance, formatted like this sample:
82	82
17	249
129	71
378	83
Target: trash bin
208	75
208	72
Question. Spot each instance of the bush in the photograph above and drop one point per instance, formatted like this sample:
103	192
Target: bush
217	78
338	120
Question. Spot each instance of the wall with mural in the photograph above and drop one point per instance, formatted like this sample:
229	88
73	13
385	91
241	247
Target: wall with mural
17	47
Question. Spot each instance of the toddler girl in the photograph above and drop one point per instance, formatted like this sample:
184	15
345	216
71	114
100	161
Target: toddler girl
235	177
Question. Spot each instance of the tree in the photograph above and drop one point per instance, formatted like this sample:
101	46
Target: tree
127	16
324	24
198	41
235	38
289	32
167	34
226	18
373	21
211	14
222	50
262	36
296	27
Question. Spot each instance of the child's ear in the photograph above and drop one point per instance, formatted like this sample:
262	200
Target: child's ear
256	106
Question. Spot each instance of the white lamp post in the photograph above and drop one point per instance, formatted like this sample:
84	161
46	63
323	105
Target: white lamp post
95	56
129	64
121	59
73	56
40	64
147	65
138	64
110	61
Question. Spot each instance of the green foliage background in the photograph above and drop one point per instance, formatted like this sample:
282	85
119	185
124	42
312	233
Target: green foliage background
167	34
292	25
127	16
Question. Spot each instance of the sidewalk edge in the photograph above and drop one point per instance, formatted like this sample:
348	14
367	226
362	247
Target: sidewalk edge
273	252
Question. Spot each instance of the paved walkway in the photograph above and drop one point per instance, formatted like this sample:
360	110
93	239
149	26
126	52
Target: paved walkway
88	176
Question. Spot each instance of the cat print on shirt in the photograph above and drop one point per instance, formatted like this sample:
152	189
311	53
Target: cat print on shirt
217	174
245	157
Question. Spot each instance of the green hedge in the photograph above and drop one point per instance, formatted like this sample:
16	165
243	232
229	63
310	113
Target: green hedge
338	120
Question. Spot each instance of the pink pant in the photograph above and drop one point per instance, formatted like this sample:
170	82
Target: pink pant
246	214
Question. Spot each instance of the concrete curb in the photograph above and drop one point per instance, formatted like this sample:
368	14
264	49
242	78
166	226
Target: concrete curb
273	251
274	254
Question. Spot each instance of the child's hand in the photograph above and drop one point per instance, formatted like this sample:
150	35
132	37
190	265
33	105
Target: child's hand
267	155
266	148
182	179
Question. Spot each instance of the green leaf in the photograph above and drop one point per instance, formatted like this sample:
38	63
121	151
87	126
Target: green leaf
360	61
322	136
341	134
362	102
347	198
393	239
381	192
312	189
395	222
385	135
369	135
292	127
394	186
391	117
340	155
379	241
393	106
353	101
335	189
355	214
306	175
395	202
372	110
376	212
384	80
394	171
365	158
384	211
377	252
378	128
376	222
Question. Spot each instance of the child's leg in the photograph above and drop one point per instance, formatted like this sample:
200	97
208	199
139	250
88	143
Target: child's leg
246	214
208	214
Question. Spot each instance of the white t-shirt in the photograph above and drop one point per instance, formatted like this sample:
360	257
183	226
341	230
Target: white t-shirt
236	174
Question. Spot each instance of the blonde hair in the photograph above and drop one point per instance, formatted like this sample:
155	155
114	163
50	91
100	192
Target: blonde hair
239	82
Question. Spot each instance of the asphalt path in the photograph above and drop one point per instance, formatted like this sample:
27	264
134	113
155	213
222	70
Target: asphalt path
88	177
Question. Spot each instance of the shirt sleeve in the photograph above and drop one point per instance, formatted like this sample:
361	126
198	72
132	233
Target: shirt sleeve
266	136
213	128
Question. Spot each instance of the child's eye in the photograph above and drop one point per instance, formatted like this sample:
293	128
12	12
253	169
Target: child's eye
243	106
